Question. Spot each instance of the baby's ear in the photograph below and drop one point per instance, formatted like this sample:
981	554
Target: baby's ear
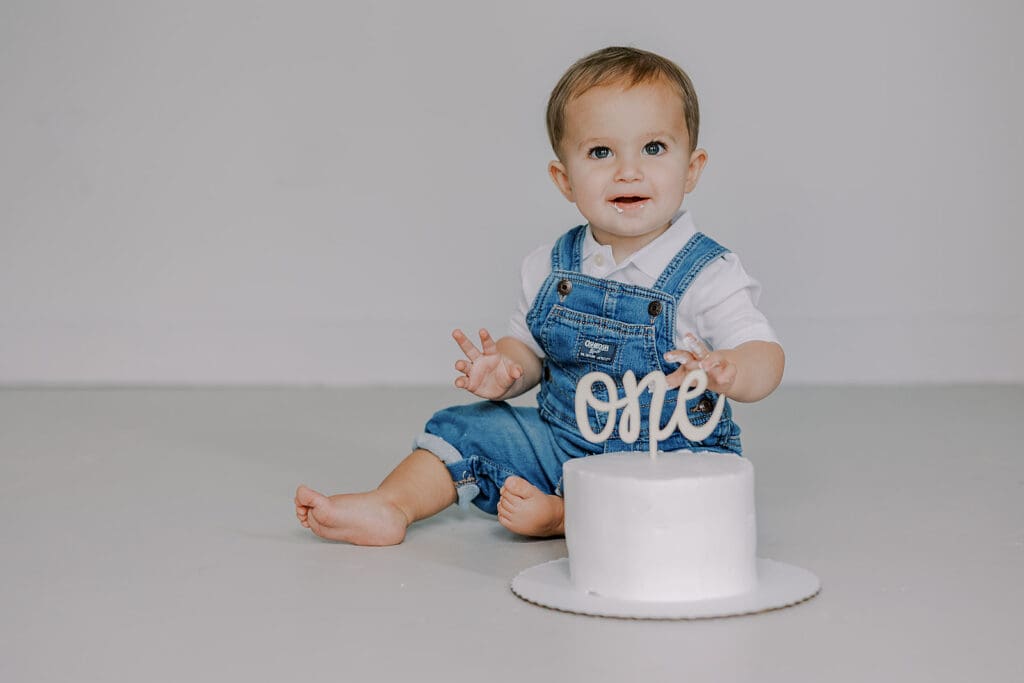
698	159
556	169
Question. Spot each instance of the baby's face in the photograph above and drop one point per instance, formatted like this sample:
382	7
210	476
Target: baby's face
626	161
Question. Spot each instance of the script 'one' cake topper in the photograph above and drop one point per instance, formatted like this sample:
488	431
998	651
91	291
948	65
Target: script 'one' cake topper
693	385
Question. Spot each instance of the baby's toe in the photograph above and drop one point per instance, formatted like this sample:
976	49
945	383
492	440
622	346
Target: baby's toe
507	505
519	487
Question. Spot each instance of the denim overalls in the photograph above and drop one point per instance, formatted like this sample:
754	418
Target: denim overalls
584	324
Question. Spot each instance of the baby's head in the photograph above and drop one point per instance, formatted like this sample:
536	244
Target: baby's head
625	66
623	123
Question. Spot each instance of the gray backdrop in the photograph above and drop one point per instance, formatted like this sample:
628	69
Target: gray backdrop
317	192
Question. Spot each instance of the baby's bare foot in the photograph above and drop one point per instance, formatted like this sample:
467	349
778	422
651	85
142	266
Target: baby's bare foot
526	510
359	518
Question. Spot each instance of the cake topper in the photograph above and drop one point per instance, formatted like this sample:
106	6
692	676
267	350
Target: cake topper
693	385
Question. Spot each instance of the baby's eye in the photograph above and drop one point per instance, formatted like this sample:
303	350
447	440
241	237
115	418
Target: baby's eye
599	153
654	148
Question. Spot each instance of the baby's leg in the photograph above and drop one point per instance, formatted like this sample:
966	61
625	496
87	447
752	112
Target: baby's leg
418	488
527	510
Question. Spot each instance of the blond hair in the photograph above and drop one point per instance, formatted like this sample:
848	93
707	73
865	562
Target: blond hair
627	65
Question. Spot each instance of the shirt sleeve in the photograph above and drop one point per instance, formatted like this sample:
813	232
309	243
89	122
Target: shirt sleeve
534	270
721	307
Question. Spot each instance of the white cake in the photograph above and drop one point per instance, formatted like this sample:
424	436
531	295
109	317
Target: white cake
674	527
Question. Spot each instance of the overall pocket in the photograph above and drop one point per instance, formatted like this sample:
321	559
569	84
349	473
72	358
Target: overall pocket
578	343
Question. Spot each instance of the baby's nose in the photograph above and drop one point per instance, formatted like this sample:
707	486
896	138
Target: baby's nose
628	170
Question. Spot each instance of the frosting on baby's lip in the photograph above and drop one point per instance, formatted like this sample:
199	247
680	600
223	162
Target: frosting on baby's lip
623	203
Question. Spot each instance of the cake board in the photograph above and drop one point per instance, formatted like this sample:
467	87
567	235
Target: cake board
779	585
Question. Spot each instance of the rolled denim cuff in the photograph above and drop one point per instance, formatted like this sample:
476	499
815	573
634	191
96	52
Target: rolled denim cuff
466	488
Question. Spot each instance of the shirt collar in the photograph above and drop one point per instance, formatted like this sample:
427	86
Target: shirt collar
654	257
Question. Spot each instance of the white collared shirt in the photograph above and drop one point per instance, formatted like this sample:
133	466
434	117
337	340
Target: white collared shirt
720	306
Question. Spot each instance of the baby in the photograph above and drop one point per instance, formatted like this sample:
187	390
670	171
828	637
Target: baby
637	288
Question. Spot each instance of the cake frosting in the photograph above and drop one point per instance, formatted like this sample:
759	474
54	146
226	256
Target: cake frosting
669	527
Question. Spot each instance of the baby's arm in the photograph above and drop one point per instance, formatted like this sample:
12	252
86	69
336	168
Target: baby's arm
721	305
746	373
498	370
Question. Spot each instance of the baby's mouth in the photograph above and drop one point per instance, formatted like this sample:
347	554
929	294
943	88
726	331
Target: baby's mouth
628	202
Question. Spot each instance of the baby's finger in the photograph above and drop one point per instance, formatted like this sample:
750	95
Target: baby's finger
675	378
695	346
467	346
463	366
712	361
679	356
487	343
721	373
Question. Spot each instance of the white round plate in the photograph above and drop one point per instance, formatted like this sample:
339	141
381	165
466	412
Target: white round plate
779	585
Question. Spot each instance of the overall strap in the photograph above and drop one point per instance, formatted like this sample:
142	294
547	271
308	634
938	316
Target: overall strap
699	251
567	254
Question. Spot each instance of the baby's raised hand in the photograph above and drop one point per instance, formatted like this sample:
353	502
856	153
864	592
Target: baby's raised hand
720	370
487	373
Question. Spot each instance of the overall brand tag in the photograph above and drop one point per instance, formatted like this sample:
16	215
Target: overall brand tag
600	352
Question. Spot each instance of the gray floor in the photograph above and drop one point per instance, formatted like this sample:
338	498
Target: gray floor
149	535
